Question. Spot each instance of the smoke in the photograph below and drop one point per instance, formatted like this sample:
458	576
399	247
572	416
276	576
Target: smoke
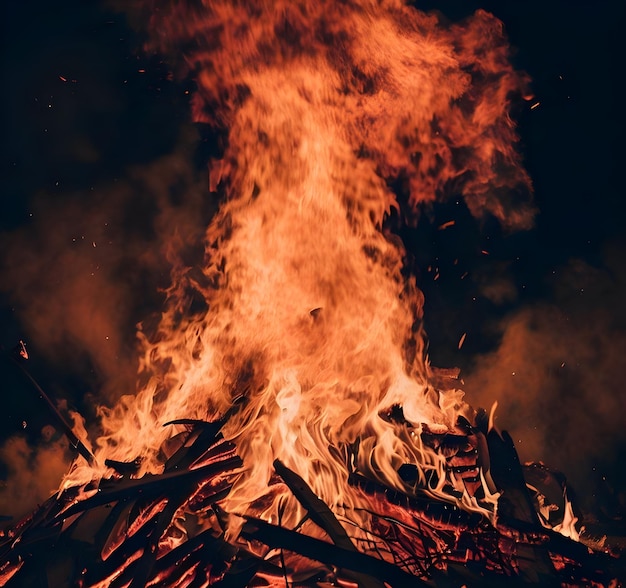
35	468
34	473
558	373
80	276
88	266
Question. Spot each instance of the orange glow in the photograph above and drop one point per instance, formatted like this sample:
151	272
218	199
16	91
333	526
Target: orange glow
309	331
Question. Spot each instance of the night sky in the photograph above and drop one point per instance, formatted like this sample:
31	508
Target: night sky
98	148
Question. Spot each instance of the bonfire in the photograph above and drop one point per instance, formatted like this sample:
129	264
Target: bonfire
288	428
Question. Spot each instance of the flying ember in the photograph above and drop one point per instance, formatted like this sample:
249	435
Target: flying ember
287	385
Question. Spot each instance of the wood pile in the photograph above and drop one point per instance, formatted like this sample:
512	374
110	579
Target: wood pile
170	530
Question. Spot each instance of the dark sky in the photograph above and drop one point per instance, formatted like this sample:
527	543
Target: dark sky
88	125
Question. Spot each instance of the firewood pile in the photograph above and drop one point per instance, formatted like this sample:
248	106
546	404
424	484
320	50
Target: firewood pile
170	530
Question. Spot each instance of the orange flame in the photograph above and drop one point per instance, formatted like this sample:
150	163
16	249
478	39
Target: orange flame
304	310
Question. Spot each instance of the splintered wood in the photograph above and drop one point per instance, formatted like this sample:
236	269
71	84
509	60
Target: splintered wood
169	530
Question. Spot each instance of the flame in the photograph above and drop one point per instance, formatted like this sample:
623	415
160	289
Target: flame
567	527
301	329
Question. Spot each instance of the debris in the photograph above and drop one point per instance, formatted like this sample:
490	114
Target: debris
462	340
18	358
169	529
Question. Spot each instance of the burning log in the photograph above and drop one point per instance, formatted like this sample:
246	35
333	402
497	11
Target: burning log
170	530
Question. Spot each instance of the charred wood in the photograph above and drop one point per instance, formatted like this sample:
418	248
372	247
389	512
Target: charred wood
169	530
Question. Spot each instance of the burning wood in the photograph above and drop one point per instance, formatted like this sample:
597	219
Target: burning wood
170	530
351	460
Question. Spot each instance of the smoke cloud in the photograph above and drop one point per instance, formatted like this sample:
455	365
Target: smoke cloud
89	265
80	276
34	473
557	375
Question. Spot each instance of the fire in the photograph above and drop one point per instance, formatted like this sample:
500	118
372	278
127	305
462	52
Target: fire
301	330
